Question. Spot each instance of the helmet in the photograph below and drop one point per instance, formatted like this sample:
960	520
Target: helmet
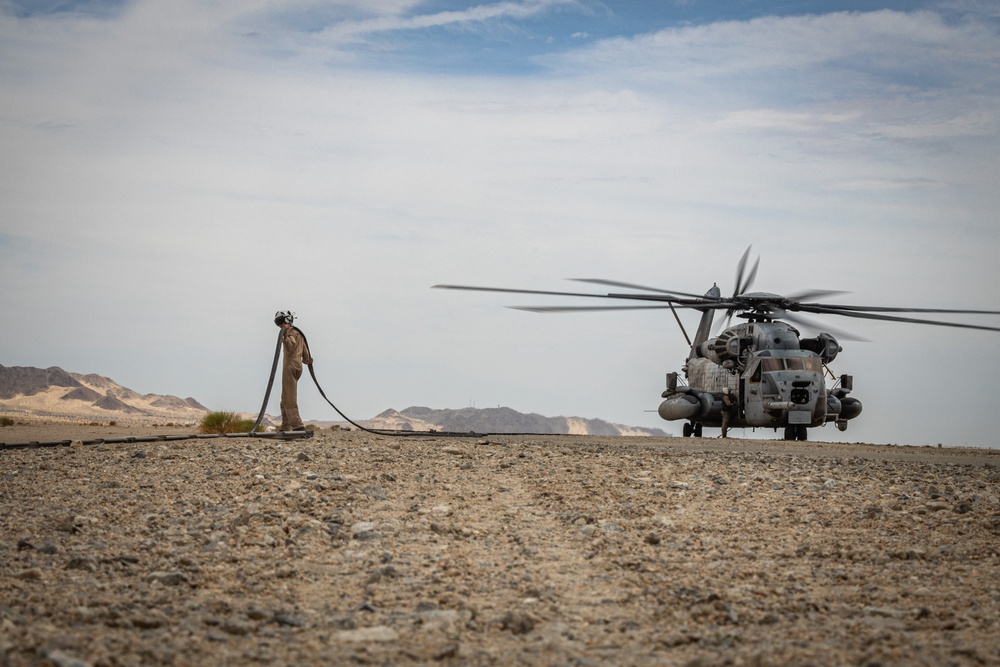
284	317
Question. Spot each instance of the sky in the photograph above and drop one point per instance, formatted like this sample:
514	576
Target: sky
172	174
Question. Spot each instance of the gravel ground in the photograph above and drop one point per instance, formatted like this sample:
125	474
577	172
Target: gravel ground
350	548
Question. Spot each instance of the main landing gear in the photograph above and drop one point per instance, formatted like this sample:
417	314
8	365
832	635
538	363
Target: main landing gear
691	429
796	432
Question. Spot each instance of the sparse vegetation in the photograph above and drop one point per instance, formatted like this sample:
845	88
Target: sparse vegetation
225	422
6	421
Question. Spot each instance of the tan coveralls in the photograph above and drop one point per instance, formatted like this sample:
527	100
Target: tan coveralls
295	353
728	410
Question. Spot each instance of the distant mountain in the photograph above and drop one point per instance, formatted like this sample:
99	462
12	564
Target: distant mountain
53	392
498	420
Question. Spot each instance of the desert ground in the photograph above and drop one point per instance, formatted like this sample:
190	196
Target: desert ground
353	548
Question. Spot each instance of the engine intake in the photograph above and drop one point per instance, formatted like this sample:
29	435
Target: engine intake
728	349
825	345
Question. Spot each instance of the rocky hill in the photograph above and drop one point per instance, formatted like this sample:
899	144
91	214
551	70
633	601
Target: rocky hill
498	420
55	393
52	393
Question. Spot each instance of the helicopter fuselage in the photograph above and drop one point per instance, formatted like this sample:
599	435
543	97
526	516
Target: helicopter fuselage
760	374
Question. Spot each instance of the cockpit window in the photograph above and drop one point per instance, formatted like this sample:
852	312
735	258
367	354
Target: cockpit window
772	364
804	364
769	364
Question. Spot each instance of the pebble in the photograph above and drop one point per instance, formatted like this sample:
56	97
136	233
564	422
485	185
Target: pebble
168	578
288	620
517	622
31	574
374	634
61	659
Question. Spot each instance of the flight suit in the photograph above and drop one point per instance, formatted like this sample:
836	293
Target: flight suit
728	411
296	352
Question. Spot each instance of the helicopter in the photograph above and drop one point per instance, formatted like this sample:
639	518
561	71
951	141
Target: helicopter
761	373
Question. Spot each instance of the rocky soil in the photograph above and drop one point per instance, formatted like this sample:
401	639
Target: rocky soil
350	548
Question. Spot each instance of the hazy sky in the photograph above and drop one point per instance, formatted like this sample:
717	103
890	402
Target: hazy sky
172	173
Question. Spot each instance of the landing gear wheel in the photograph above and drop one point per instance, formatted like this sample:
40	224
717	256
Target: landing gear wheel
697	430
687	431
797	432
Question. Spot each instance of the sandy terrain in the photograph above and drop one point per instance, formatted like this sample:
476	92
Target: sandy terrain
350	548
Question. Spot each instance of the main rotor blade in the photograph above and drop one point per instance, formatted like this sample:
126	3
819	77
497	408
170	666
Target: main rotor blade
697	302
814	294
505	290
753	276
583	309
887	309
615	283
740	267
839	334
819	309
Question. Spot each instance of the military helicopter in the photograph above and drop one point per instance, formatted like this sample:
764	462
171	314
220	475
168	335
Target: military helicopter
761	373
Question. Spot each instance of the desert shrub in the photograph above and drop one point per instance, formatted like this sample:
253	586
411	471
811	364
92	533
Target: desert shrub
6	421
225	422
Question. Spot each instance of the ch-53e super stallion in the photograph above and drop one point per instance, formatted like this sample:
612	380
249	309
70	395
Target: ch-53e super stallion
756	374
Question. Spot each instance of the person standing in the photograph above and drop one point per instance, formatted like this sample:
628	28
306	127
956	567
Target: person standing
295	352
728	409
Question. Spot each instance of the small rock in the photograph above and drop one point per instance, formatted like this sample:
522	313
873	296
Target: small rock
517	622
168	578
60	659
883	612
445	652
31	574
375	492
873	511
288	620
235	628
255	614
82	563
374	634
362	527
150	620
